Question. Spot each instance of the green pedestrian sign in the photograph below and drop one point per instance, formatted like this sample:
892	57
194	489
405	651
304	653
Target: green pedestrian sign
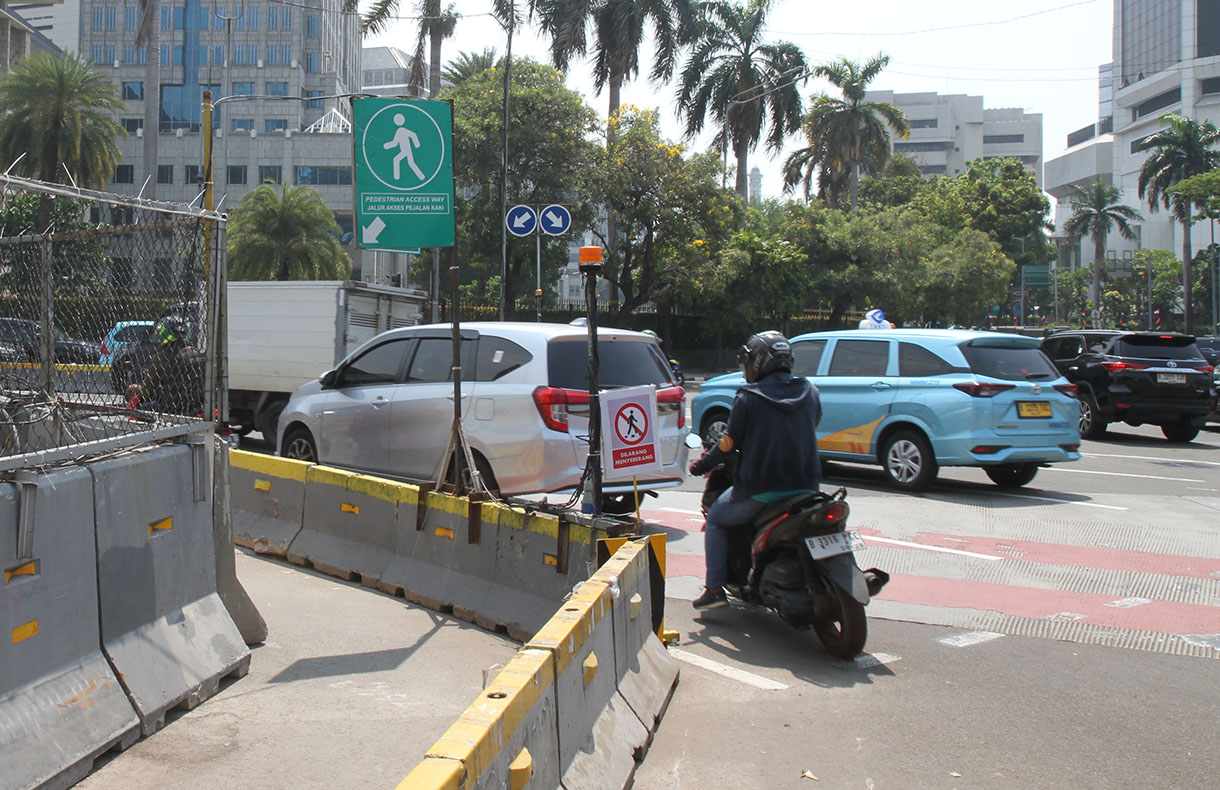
403	173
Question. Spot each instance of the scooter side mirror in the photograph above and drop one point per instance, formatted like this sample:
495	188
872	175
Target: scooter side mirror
693	441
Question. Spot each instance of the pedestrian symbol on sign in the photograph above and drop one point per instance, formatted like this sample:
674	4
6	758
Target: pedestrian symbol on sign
400	134
631	424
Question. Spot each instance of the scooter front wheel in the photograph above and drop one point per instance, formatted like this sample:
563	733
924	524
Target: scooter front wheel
845	631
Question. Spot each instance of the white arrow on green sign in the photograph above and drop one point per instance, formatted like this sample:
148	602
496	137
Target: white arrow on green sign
403	173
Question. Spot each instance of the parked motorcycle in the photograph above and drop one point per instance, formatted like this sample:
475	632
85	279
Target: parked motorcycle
796	559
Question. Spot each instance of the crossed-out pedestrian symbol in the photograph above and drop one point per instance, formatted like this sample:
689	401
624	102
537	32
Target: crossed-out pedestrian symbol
403	147
631	424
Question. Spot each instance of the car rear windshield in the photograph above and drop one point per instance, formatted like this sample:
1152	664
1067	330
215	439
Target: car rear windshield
1015	362
622	363
1156	347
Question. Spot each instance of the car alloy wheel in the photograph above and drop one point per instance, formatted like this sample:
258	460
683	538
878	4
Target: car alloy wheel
908	461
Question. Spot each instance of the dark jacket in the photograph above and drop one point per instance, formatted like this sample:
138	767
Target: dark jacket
773	426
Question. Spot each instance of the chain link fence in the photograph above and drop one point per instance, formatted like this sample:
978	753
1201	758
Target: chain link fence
106	321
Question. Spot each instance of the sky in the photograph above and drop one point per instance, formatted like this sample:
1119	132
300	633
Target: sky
1038	55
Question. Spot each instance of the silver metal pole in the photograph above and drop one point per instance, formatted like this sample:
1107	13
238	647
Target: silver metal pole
538	269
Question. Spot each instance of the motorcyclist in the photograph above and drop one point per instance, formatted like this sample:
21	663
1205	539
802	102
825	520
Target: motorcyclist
172	381
772	428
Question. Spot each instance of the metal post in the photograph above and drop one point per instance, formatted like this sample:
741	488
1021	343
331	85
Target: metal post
459	456
538	270
1215	291
590	266
48	322
508	65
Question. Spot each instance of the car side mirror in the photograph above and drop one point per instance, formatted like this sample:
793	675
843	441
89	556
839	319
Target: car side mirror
329	378
693	441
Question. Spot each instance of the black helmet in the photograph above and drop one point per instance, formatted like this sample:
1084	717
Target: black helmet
764	353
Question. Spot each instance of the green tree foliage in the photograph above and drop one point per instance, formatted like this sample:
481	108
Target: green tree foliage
551	139
468	64
1125	298
896	185
845	132
285	235
79	266
618	29
1002	199
1181	148
759	279
59	113
1095	213
746	85
963	277
672	212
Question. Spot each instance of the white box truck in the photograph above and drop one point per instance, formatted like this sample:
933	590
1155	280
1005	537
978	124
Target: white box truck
283	334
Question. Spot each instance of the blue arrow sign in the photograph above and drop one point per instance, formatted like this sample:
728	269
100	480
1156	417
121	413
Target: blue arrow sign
521	220
556	220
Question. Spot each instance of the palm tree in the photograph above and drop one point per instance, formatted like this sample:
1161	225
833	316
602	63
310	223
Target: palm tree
1095	213
149	35
848	131
60	114
1180	149
285	236
618	33
468	64
435	25
745	84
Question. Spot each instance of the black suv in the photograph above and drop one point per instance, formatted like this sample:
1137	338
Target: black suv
1160	378
26	338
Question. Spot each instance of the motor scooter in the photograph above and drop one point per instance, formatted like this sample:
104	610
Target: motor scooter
796	558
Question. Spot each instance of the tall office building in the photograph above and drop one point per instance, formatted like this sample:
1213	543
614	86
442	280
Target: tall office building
947	131
277	72
1166	60
57	21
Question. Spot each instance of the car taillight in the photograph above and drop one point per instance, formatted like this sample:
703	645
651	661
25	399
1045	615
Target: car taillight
104	351
1071	390
980	389
674	395
1115	367
553	402
1204	368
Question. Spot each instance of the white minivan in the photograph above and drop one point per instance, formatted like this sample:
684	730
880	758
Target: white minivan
387	408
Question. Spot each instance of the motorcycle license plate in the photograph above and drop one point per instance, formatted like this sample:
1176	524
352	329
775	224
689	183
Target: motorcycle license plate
1033	408
823	546
1171	378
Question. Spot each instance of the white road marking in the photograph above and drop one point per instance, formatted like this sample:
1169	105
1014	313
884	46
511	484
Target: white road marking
740	675
1065	617
867	660
969	638
908	544
680	510
1125	474
1128	603
1149	458
1060	501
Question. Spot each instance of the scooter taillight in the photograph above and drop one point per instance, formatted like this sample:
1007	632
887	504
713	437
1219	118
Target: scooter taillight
833	518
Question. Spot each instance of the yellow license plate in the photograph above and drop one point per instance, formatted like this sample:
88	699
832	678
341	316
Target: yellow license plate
1033	408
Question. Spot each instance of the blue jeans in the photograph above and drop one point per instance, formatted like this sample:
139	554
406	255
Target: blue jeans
723	515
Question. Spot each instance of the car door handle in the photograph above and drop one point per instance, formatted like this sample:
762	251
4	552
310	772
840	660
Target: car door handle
465	395
379	401
880	385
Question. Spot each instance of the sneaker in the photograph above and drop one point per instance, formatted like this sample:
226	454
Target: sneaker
712	598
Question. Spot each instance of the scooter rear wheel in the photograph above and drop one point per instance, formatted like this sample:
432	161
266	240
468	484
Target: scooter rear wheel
845	631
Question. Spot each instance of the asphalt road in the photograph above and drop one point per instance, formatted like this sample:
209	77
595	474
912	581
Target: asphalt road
1064	635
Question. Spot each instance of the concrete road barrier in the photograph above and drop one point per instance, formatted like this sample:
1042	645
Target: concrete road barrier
269	493
163	626
61	705
597	650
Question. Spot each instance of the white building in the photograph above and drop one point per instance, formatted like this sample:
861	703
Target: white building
947	131
57	21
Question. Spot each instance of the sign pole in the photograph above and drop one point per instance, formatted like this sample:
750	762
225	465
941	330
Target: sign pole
538	272
590	259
